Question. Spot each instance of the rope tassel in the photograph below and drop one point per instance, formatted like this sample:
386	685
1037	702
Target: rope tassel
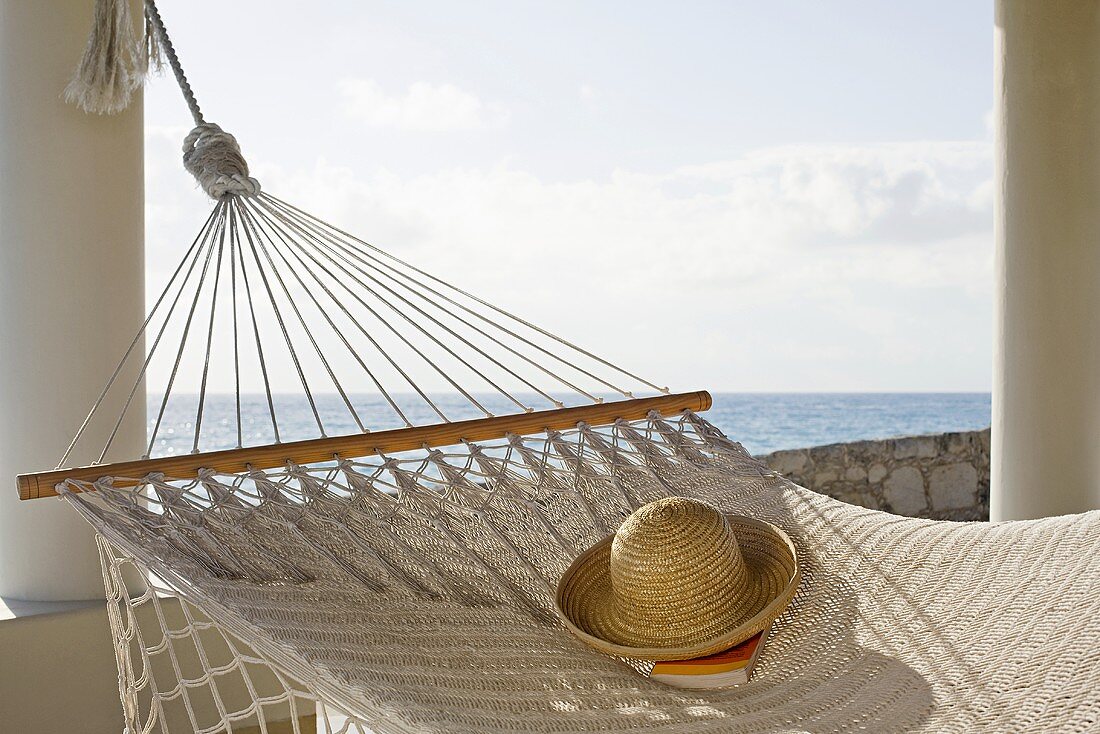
152	52
115	60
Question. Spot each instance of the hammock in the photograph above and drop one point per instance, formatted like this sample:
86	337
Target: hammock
401	580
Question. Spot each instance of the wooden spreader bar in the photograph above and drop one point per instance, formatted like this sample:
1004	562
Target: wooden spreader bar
235	461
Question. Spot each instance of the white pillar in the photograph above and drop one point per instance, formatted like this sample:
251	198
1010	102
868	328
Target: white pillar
71	284
1046	383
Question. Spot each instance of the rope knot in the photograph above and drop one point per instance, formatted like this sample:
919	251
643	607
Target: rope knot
214	159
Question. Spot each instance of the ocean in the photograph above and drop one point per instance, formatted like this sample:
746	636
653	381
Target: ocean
763	422
766	422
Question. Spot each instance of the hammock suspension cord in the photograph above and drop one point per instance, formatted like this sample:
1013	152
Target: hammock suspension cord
279	284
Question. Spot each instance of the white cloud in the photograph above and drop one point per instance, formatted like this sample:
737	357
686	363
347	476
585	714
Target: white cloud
795	268
423	106
889	193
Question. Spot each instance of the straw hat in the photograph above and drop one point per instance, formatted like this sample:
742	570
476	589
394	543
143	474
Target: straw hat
678	580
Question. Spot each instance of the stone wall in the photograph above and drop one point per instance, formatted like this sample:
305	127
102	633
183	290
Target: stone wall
943	476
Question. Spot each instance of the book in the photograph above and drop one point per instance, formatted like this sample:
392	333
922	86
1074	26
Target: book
723	669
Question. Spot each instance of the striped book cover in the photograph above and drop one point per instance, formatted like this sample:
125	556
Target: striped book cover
720	670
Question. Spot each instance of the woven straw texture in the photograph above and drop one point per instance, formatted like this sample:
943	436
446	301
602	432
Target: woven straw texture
678	580
415	594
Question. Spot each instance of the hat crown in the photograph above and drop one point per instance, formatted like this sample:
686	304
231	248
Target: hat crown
675	564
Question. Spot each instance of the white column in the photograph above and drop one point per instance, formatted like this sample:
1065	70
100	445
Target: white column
1046	382
71	284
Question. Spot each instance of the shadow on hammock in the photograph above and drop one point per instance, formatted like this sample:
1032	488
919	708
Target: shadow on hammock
815	674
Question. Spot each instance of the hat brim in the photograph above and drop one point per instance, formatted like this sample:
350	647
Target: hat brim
584	600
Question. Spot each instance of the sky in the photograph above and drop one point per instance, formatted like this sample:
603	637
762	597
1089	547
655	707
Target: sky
738	196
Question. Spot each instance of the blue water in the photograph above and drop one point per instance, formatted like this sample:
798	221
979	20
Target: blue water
763	422
766	422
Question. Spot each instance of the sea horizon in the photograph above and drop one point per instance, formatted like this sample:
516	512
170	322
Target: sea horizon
762	421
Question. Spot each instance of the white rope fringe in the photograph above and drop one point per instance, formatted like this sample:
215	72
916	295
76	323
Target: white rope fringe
214	158
113	64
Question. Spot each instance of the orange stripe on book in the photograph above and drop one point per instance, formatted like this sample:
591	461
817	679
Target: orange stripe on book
736	657
681	669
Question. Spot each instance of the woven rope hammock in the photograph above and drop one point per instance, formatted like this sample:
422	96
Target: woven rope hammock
400	580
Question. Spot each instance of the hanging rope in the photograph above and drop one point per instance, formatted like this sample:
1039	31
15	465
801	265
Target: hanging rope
116	63
158	42
210	154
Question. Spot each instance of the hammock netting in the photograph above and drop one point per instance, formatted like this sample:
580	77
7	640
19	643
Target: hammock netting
412	590
415	595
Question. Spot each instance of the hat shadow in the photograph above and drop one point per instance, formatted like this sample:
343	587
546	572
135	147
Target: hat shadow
816	673
836	684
